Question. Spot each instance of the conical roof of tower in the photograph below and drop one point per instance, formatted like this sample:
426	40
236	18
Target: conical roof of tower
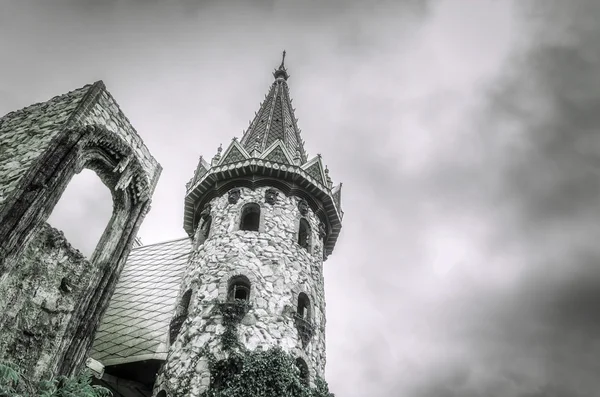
275	120
270	153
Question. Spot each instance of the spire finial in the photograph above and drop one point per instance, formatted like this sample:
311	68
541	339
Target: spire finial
282	61
281	72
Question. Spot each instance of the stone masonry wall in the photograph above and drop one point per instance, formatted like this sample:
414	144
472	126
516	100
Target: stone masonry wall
41	147
106	112
26	133
50	278
278	269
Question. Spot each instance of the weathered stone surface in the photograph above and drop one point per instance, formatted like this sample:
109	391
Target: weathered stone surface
278	270
37	308
41	148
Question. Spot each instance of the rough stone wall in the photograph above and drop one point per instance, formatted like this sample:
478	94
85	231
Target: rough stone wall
107	112
41	148
278	270
26	133
49	281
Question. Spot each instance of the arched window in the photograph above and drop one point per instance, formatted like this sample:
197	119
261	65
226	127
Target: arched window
304	374
239	288
303	309
206	227
204	230
250	219
181	314
304	234
162	393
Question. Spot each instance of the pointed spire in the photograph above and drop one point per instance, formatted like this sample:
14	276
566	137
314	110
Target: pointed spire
281	72
275	120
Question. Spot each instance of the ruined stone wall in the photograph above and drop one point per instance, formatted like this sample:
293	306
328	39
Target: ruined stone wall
107	112
25	134
278	269
50	278
41	148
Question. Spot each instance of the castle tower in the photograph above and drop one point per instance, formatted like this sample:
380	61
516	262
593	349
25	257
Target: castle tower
263	218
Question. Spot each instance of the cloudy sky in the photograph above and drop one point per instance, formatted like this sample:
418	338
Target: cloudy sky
464	131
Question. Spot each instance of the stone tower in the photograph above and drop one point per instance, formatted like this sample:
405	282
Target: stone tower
263	218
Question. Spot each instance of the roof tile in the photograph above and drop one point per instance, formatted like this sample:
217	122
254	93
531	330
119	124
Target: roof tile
137	319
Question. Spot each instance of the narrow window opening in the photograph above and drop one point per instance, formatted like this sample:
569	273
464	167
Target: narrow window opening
304	234
304	374
162	393
206	227
303	309
203	230
239	289
181	314
250	217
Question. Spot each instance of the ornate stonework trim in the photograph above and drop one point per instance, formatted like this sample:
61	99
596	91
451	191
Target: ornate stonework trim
314	168
234	144
286	188
273	146
126	164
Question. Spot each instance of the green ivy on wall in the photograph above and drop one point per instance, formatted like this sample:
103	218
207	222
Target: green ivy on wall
14	384
258	373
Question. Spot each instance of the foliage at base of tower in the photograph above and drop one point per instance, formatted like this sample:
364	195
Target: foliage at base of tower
14	384
270	373
258	373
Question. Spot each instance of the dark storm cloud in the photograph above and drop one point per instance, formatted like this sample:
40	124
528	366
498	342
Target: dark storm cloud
538	334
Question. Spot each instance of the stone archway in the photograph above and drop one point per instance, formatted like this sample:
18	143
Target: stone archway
74	308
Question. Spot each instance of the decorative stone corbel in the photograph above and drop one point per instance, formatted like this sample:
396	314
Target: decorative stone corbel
303	207
271	196
234	195
126	172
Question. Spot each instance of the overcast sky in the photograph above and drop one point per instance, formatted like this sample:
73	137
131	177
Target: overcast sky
464	131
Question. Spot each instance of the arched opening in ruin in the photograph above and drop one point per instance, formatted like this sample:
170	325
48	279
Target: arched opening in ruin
162	393
83	211
250	219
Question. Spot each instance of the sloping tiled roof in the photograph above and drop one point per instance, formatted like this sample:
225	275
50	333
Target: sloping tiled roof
136	324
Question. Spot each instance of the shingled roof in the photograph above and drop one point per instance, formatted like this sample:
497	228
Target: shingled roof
135	326
275	120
